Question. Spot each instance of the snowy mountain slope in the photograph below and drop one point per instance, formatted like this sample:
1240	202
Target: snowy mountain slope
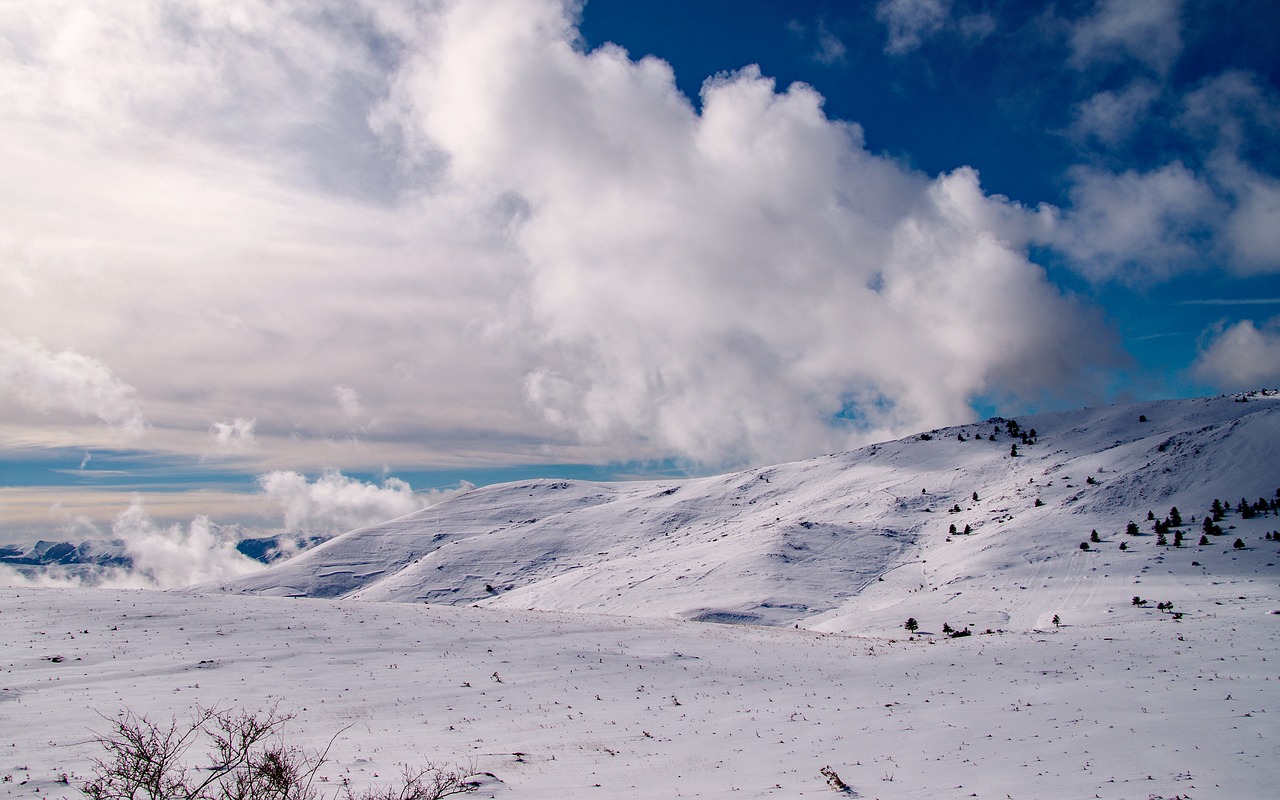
851	542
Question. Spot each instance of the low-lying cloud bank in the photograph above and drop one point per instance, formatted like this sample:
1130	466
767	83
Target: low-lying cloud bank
142	553
334	503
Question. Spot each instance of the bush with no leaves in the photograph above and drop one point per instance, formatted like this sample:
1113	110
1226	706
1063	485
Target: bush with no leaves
833	780
249	760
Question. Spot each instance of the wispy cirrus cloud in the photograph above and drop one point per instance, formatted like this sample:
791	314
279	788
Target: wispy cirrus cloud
1150	33
1113	116
911	22
828	49
236	435
1231	301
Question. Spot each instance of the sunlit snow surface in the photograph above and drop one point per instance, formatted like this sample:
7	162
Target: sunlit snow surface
609	688
1132	706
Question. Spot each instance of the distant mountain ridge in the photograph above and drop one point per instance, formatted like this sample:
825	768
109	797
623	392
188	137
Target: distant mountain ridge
87	559
842	542
46	553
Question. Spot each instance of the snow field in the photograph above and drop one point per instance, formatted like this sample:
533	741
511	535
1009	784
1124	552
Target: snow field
560	705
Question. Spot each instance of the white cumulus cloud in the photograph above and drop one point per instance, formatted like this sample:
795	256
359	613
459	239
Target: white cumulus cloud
48	382
729	283
1241	356
1253	227
514	248
1138	226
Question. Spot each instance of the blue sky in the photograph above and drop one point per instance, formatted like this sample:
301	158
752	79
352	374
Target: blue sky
999	86
286	264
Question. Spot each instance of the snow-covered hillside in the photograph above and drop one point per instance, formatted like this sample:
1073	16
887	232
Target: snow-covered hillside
853	542
1067	687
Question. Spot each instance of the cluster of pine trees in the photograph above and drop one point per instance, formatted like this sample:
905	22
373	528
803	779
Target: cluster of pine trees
1011	428
1218	510
1258	508
912	626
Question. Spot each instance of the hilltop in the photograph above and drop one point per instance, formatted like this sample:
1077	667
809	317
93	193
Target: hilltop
851	542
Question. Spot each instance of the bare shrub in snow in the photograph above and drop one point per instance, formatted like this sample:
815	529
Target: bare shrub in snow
833	780
249	760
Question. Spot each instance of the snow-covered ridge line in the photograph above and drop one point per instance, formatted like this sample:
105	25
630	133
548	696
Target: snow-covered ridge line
849	542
